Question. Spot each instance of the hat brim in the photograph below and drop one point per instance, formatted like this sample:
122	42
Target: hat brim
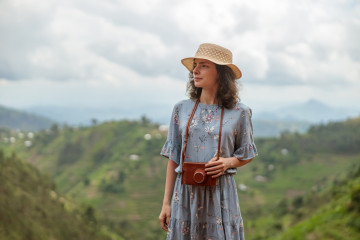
189	64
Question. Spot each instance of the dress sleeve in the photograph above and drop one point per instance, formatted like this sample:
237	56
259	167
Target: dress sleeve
245	148
172	146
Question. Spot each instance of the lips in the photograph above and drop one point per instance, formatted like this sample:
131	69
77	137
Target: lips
197	79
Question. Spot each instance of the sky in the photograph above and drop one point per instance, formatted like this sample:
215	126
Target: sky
126	54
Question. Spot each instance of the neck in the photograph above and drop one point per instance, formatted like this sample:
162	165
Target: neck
208	97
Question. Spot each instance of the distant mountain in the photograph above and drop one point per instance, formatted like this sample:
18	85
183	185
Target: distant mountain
77	115
312	111
273	128
17	119
292	118
268	126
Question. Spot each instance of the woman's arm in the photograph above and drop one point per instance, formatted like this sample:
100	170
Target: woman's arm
218	167
169	187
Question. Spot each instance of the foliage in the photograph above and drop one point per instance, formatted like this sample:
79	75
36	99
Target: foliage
30	208
115	167
335	218
111	166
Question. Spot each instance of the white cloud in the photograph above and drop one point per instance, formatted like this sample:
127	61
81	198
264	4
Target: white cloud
308	49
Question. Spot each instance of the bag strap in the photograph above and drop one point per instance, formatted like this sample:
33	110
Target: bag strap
220	131
187	135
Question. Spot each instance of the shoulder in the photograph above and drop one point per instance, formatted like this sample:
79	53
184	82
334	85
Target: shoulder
241	108
184	103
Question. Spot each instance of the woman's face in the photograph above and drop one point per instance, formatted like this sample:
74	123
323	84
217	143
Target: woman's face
205	74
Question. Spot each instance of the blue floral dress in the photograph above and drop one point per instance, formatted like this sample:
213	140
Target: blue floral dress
208	212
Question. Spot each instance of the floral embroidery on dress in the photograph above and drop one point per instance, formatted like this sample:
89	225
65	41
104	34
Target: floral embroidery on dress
207	115
176	116
198	210
191	196
176	197
209	129
234	227
218	220
185	229
194	122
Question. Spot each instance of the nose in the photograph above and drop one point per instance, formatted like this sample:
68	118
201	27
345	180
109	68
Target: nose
196	69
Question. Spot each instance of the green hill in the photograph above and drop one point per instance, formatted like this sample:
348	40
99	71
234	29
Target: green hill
334	214
314	175
15	119
110	166
116	168
31	208
325	212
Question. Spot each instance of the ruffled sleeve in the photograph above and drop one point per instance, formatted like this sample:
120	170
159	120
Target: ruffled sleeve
172	146
245	148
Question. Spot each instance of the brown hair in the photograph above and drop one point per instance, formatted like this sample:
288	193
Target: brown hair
227	94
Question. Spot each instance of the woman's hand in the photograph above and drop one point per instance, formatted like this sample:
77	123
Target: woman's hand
217	167
165	216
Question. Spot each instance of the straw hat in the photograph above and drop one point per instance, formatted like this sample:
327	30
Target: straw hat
214	53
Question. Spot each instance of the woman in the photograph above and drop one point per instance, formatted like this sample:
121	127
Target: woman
207	212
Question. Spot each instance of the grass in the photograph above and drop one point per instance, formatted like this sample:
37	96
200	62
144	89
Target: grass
300	177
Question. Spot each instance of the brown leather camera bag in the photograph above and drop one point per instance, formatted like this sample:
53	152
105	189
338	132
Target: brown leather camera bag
193	173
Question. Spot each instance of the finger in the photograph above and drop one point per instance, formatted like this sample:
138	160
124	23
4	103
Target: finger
213	159
217	167
218	175
162	222
167	221
210	164
214	172
164	225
